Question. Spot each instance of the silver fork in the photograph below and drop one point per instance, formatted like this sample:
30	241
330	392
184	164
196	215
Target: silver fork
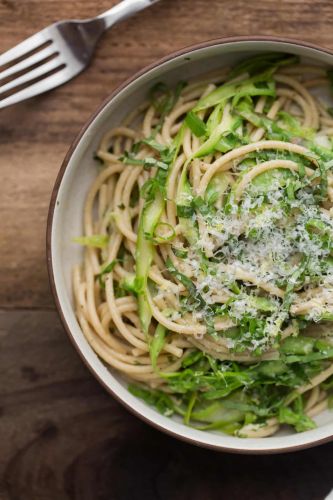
56	54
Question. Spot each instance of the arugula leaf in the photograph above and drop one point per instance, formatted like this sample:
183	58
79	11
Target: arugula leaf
157	184
164	98
160	400
184	280
130	159
192	358
308	358
299	420
272	369
263	62
180	253
151	142
297	345
147	163
294	280
153	186
216	391
195	124
249	87
185	211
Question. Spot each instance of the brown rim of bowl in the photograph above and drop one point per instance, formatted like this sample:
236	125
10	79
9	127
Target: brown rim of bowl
183	51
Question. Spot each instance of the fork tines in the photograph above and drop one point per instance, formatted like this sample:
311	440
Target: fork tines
30	68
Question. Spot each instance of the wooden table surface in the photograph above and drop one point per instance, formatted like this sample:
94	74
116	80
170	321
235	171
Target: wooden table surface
61	435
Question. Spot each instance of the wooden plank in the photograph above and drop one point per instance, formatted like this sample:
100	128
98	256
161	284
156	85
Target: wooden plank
35	135
62	437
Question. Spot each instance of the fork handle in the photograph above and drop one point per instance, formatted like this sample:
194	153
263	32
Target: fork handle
122	10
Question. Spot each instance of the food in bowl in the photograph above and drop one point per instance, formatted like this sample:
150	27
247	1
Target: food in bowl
207	279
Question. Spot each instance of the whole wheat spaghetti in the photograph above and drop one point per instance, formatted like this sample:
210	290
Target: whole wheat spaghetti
207	279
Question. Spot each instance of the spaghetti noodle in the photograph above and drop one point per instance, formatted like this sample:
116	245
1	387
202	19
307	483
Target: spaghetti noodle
207	279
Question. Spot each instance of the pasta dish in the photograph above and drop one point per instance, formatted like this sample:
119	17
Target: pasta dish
207	278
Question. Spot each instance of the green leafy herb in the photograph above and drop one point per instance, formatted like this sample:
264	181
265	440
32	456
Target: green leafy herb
108	268
147	163
195	124
160	400
262	63
237	91
164	98
180	253
184	280
185	211
298	419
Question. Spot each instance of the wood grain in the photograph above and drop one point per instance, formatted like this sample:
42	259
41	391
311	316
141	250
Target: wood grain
61	435
35	135
65	438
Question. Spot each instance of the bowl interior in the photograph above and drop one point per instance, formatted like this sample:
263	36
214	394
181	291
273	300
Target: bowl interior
65	223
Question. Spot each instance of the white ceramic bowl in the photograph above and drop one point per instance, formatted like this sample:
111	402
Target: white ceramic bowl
65	222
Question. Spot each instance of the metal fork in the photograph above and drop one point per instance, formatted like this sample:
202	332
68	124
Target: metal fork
57	53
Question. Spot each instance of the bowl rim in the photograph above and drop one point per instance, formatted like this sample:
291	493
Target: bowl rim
49	257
